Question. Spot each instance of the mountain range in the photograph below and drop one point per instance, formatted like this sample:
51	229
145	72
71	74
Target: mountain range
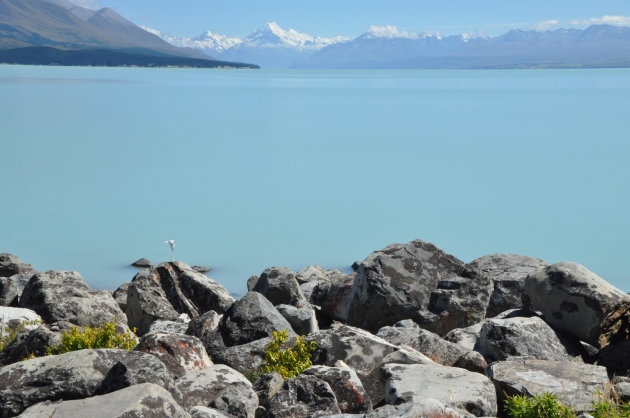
385	47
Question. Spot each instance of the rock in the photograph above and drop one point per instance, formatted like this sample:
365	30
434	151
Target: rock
471	391
65	296
33	342
142	400
205	412
407	355
11	289
169	327
170	289
360	350
244	358
417	281
77	375
11	265
575	384
202	269
351	396
501	339
422	408
316	283
426	342
622	387
251	282
267	385
473	362
302	320
304	396
180	353
467	338
120	295
615	327
17	319
250	318
572	299
142	263
507	273
615	357
279	286
336	301
203	324
221	388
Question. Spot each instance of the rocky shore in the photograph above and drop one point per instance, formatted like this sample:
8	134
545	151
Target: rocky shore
413	332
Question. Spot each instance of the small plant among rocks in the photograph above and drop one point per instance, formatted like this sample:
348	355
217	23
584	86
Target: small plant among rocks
548	406
104	336
289	362
539	406
9	333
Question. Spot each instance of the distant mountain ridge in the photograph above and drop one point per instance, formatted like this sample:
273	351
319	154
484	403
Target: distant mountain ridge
384	47
61	24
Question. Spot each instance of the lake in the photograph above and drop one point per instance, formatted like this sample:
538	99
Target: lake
249	169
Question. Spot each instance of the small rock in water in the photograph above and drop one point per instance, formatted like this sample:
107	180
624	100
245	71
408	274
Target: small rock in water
201	269
142	263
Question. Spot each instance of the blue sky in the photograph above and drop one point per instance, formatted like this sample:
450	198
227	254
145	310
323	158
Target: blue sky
350	18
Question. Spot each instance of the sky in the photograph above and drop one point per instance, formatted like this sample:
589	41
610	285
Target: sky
350	18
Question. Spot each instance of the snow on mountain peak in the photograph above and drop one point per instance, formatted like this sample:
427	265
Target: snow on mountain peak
272	35
219	43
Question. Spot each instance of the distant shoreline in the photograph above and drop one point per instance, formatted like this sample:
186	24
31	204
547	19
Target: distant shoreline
108	58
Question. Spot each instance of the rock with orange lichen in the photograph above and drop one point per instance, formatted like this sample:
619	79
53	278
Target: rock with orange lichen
180	353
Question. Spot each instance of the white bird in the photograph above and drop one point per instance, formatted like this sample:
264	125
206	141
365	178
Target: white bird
171	243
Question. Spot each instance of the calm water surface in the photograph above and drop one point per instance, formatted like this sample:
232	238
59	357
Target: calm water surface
250	169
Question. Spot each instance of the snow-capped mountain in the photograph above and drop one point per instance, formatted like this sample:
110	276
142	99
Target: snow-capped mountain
269	46
271	35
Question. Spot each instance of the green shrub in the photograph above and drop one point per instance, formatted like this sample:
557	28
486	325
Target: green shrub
288	362
610	406
540	406
11	332
104	336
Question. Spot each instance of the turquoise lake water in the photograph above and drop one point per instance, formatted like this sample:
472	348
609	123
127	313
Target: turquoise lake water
251	169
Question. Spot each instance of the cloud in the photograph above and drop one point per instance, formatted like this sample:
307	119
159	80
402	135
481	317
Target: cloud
604	20
390	32
545	25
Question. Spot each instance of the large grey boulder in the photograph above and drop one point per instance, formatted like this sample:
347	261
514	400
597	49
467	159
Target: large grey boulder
250	318
575	384
11	289
365	353
507	273
417	281
412	383
302	320
245	358
316	283
180	353
467	337
572	299
77	375
221	388
335	299
279	286
120	295
421	408
303	397
426	342
11	265
137	401
204	324
501	339
170	289
351	396
65	296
